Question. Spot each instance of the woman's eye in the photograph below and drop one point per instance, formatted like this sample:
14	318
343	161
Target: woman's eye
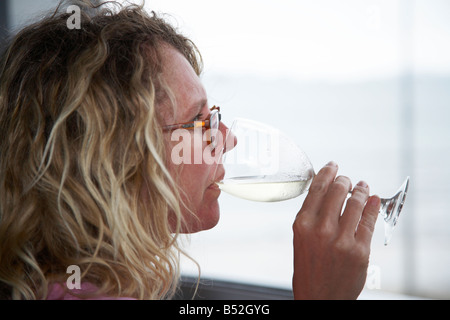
198	117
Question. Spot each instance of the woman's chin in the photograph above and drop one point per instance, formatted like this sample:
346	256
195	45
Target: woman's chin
207	218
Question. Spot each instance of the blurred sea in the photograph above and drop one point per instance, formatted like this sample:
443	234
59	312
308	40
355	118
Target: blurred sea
360	125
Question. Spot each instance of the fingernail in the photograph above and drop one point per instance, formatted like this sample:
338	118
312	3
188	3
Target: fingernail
362	184
332	164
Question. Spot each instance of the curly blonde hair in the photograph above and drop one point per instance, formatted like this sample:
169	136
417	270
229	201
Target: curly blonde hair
80	141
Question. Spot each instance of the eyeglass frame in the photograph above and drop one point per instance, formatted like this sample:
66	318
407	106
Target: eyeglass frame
215	110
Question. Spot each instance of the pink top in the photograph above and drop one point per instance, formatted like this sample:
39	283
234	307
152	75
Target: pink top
57	291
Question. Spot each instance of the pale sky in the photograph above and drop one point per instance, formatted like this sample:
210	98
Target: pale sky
313	39
331	39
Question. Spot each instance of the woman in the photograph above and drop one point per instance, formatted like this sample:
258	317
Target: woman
87	176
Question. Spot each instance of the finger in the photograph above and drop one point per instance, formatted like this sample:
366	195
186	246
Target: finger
368	219
348	222
335	199
319	188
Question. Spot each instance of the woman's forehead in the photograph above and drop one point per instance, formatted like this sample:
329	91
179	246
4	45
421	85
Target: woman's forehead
188	94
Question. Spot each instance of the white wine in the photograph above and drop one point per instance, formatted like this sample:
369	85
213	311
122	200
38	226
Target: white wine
265	188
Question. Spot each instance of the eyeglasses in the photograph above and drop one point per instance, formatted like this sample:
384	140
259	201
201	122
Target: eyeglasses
211	124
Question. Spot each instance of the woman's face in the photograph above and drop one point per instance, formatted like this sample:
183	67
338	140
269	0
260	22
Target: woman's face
196	179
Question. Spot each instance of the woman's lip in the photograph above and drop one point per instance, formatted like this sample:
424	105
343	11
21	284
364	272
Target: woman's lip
214	186
219	178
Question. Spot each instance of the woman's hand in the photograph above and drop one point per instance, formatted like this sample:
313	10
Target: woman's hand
331	251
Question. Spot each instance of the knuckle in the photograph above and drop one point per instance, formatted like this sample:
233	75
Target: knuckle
342	184
322	232
361	253
356	252
355	202
322	180
318	187
344	179
325	231
343	246
301	225
368	222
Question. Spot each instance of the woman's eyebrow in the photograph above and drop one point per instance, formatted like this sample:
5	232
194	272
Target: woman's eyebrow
194	110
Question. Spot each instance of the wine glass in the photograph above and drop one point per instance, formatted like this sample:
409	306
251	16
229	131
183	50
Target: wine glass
266	165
